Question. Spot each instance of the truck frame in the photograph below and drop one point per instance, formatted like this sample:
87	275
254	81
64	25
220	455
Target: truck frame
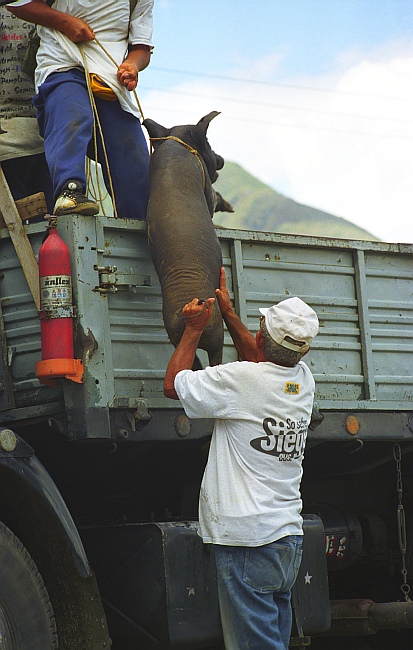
99	480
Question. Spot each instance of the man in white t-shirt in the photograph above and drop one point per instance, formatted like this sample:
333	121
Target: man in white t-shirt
109	43
250	503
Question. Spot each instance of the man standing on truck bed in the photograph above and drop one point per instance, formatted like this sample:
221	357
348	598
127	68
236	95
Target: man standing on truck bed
250	501
108	43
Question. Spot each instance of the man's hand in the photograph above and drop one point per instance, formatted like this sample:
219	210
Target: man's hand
222	294
196	316
197	313
244	341
137	60
77	30
127	75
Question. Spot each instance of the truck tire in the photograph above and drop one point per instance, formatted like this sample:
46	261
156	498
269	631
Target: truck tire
26	614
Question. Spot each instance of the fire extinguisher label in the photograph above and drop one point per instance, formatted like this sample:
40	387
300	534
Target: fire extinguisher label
56	291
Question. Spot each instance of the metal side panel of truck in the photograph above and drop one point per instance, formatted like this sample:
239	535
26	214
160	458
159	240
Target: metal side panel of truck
362	359
128	463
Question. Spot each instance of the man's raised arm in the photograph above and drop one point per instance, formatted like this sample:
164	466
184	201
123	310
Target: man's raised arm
243	340
39	13
196	315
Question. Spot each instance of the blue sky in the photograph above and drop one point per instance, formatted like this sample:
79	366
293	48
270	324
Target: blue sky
316	97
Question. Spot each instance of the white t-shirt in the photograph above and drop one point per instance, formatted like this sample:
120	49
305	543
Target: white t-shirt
250	492
113	29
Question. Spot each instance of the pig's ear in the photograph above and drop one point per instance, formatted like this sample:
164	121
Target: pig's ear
155	130
203	123
221	205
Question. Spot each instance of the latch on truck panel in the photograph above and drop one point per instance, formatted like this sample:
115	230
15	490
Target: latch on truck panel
110	281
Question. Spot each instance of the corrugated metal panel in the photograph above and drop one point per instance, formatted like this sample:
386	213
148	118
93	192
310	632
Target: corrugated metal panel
21	328
361	291
389	281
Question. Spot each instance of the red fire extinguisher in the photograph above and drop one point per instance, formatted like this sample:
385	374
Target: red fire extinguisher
56	313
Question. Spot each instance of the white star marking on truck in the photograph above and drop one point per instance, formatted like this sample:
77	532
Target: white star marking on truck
307	578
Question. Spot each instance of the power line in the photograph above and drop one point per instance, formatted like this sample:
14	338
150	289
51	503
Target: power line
274	83
301	126
282	106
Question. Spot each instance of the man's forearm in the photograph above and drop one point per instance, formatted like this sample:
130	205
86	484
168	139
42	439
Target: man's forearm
243	340
39	13
139	55
181	359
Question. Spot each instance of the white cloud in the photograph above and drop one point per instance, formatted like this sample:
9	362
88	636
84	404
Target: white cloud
348	152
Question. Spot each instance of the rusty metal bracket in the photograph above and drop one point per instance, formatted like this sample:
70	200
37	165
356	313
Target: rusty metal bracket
111	281
316	417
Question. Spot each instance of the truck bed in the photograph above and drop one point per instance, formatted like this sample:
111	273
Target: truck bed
361	360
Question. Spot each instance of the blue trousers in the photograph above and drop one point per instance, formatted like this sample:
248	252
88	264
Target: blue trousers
254	588
65	119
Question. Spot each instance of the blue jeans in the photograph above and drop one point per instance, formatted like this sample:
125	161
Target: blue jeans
254	586
65	120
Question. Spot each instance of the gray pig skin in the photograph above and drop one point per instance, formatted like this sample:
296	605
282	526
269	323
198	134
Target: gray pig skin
184	246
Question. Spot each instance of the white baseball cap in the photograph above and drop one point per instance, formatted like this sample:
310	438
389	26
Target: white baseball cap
291	319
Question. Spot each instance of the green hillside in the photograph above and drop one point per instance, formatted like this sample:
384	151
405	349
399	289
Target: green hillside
258	207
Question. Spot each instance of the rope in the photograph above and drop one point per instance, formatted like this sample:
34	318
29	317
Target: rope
97	125
95	188
114	63
190	149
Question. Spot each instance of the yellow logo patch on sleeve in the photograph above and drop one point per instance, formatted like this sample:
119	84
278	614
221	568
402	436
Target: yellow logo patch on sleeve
292	388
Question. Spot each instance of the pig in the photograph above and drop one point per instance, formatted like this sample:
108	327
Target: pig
183	243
